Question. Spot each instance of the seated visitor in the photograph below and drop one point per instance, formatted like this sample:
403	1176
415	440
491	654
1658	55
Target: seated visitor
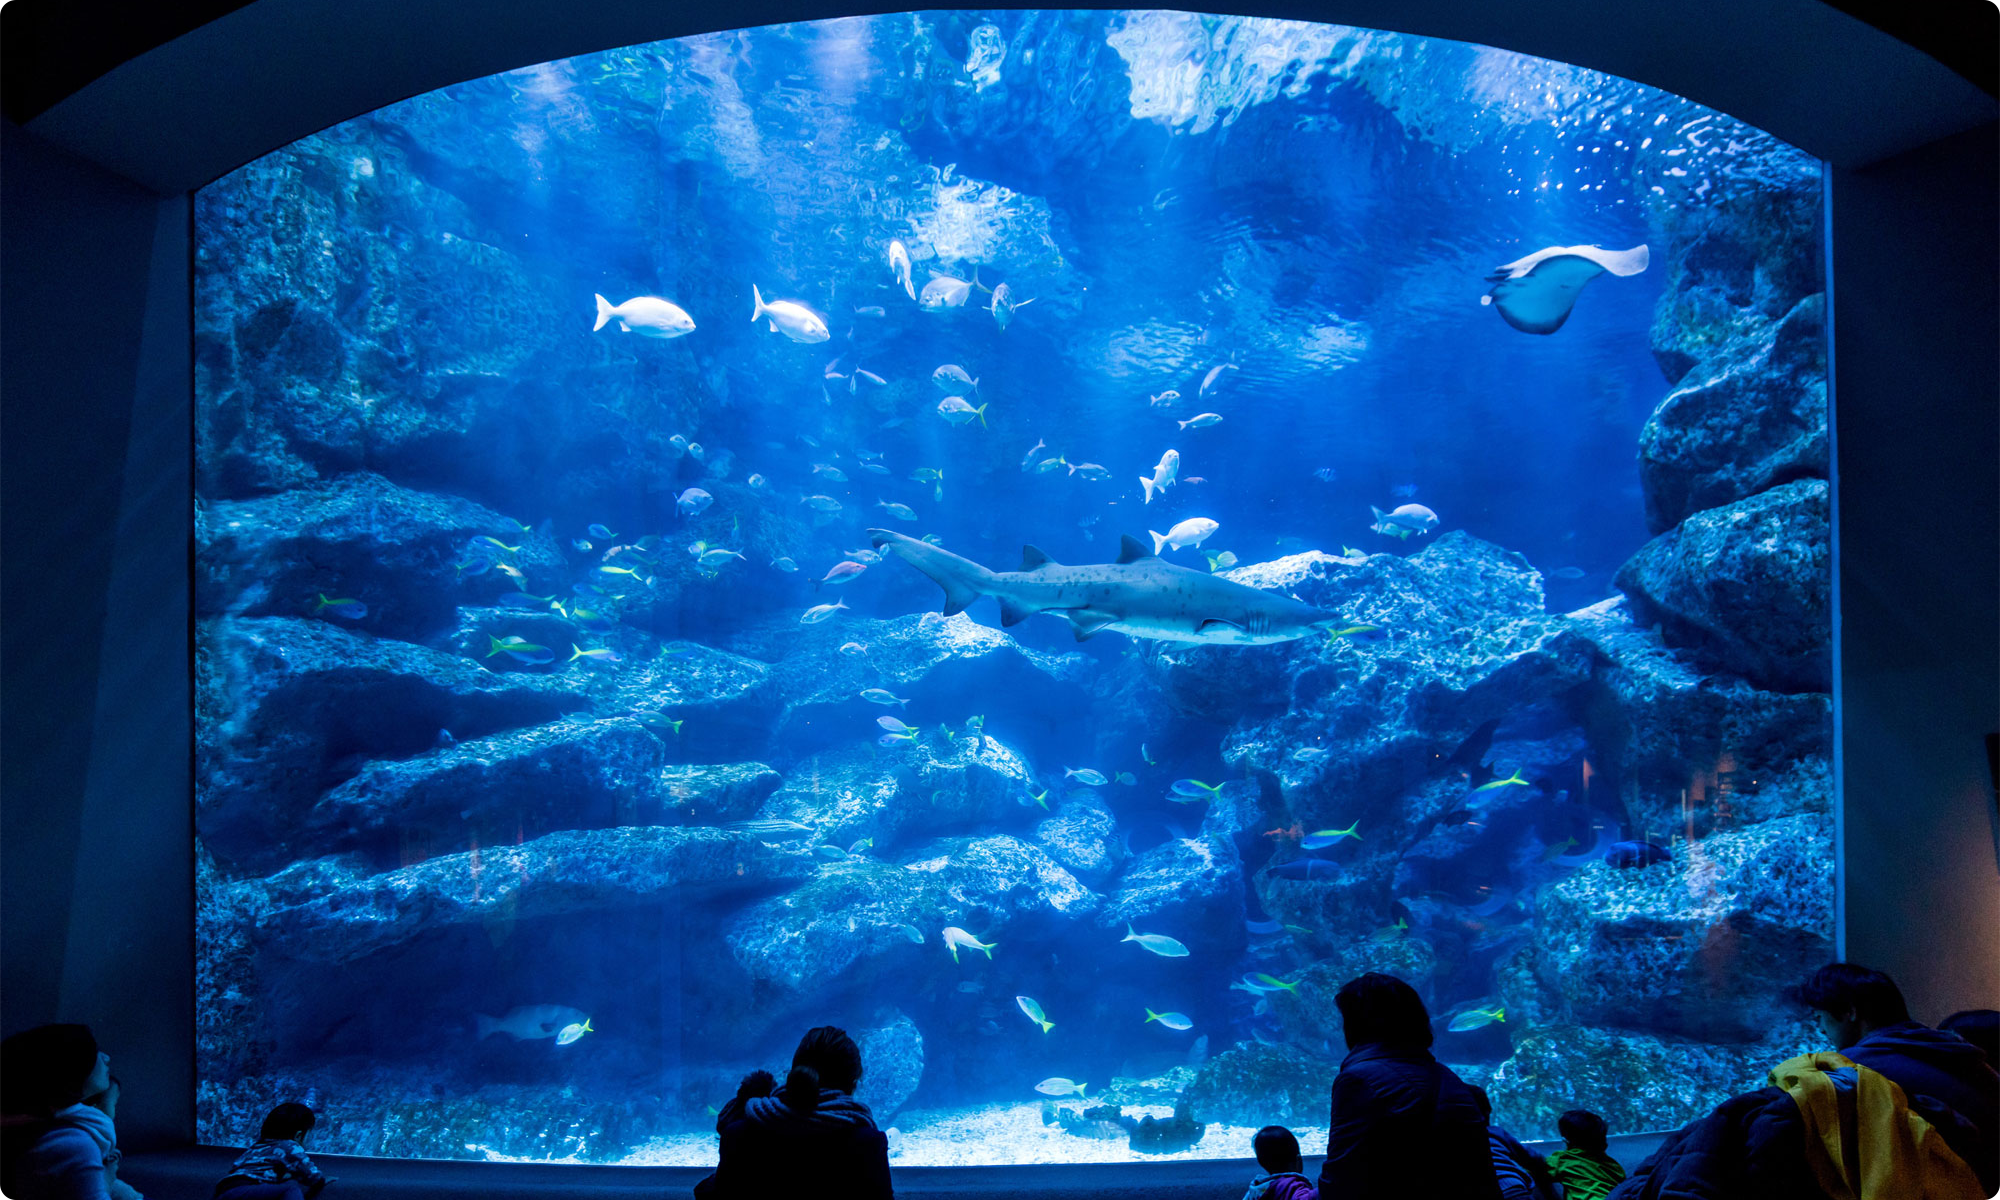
1283	1177
1861	1011
1584	1166
1834	1124
1520	1171
1403	1125
55	1146
275	1167
809	1138
1981	1027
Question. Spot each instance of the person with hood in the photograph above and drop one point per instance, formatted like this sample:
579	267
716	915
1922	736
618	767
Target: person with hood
1403	1126
1862	1012
1284	1177
808	1138
55	1146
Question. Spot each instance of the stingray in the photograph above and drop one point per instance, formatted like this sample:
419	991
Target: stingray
1536	293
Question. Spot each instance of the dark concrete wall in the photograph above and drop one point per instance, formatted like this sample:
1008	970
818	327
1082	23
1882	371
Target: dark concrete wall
96	876
1916	307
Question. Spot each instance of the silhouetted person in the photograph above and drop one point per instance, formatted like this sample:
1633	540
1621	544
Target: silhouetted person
56	1147
275	1167
808	1138
1584	1165
1403	1127
1283	1178
1521	1173
1862	1012
1981	1027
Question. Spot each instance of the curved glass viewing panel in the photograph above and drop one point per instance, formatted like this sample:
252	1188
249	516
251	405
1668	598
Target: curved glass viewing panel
578	725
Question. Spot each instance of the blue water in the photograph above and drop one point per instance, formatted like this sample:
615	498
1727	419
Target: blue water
409	295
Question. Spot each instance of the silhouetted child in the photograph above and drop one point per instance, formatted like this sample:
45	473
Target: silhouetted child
1582	1166
1284	1169
755	1085
275	1167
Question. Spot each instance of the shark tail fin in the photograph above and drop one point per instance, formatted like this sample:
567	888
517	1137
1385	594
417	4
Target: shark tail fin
604	308
962	579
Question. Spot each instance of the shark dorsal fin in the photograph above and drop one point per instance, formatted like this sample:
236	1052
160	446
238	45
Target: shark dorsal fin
1032	557
1131	549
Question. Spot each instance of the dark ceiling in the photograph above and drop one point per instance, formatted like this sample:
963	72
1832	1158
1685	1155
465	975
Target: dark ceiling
59	47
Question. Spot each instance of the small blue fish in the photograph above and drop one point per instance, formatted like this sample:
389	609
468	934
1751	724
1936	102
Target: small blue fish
601	533
522	600
1403	491
581	546
693	502
1636	854
1086	776
1196	789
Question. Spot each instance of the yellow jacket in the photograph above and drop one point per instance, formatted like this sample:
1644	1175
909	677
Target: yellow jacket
1864	1143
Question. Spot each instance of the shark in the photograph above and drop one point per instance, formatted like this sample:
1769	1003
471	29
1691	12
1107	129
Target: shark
1140	595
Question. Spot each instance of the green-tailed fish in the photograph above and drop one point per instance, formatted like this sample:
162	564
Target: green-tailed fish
1274	983
954	937
1158	943
572	1032
1172	1020
1514	779
1058	1086
353	610
1033	1008
1320	839
1476	1018
520	649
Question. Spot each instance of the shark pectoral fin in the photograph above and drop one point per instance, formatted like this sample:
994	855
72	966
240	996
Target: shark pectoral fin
1012	613
1131	549
1215	624
957	597
1033	557
1087	624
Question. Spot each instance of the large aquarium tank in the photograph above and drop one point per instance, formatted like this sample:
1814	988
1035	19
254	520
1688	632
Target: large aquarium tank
1050	540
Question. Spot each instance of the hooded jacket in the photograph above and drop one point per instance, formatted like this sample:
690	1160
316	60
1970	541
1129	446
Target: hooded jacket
1281	1185
1751	1145
1862	1140
70	1156
771	1150
1404	1127
1950	1070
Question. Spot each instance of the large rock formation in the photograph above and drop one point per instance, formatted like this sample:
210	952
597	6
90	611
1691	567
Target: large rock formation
1748	586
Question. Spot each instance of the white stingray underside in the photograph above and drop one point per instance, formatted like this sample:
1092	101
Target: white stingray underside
1534	294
